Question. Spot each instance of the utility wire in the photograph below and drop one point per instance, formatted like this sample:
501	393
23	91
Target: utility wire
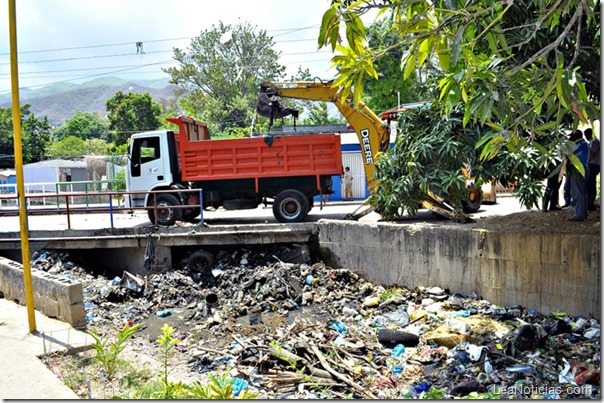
289	31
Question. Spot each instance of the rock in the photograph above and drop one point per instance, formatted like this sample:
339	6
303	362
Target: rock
465	389
308	297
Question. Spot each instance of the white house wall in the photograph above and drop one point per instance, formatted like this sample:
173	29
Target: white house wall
354	160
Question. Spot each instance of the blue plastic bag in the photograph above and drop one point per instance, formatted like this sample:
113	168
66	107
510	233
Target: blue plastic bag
238	386
164	313
398	350
337	325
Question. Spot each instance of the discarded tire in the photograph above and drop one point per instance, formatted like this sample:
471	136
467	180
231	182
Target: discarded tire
391	338
201	262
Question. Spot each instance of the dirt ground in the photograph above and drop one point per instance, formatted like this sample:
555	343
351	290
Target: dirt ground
551	222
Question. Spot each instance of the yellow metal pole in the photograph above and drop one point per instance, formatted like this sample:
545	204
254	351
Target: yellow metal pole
14	72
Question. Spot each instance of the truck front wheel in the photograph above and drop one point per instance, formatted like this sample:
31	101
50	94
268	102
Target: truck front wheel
291	206
166	214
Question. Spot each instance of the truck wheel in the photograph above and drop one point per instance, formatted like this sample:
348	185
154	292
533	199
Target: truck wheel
165	214
473	200
291	206
201	262
191	214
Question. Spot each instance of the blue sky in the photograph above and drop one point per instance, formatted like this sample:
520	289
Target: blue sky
77	41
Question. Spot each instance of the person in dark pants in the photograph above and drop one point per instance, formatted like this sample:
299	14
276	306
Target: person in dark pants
567	195
593	164
551	194
577	180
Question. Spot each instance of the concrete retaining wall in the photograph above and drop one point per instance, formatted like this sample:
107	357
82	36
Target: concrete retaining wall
54	296
557	272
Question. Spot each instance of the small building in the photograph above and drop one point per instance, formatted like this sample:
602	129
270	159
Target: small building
8	180
53	171
8	176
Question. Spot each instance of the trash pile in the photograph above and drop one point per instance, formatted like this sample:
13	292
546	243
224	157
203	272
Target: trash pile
301	330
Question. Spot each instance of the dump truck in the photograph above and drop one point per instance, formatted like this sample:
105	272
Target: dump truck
372	132
195	172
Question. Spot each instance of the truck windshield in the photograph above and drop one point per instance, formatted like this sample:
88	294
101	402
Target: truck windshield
144	150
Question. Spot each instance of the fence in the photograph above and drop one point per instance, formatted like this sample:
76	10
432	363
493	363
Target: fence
35	205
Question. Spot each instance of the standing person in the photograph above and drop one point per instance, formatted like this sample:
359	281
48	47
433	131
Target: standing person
577	181
347	184
551	194
567	195
593	163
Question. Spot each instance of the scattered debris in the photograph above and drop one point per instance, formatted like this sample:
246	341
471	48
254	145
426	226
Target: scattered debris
305	330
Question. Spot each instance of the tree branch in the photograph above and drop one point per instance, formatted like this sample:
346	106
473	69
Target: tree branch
553	45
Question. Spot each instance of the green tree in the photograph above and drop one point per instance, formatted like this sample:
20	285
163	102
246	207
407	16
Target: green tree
219	76
96	147
131	113
84	125
311	112
391	86
319	115
70	146
35	134
520	68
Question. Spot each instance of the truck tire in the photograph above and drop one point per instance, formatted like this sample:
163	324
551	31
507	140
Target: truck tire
473	200
291	206
191	214
201	262
165	214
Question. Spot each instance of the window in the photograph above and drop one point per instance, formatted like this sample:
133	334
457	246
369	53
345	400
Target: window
144	150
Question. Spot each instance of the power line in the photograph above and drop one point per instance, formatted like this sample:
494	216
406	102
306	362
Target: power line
132	66
288	31
94	46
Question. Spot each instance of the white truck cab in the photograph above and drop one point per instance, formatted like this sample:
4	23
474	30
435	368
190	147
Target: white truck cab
149	165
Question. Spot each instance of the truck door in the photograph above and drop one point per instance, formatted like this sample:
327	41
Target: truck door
146	166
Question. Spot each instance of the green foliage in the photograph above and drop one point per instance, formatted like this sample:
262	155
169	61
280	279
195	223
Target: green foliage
219	76
318	114
107	352
70	146
166	342
524	68
384	92
427	158
482	396
120	180
84	125
35	136
162	388
433	393
220	387
131	113
121	149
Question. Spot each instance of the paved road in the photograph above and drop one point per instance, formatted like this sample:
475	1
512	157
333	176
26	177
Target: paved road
333	210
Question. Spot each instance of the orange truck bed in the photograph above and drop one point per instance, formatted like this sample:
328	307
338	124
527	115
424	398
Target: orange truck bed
202	159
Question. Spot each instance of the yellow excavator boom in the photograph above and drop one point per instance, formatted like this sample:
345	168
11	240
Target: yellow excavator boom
373	133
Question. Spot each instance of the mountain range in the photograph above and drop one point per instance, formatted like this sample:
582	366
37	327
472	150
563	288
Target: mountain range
59	102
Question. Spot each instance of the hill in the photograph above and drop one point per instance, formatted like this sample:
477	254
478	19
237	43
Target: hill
61	101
